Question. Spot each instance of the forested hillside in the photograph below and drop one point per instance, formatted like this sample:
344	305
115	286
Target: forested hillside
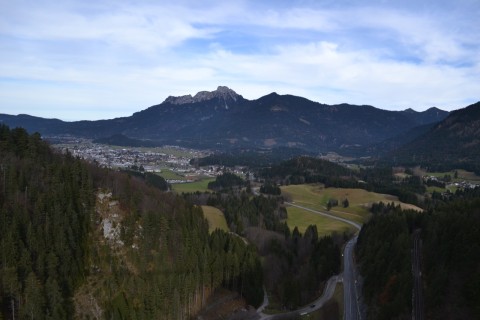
46	204
452	143
385	262
450	259
295	266
77	239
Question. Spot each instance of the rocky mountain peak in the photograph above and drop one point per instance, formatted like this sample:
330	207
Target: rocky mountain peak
222	92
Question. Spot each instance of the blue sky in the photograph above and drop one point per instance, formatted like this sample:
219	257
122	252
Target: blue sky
79	59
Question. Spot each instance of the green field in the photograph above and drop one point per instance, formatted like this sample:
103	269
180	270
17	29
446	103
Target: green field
168	174
216	219
302	219
316	197
200	185
431	189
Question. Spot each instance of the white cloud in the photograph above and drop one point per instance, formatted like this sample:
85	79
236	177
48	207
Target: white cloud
122	57
140	27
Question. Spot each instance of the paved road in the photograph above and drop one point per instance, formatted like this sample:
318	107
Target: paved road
351	306
349	282
417	308
350	292
313	306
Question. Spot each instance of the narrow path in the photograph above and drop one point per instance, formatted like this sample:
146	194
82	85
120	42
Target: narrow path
265	302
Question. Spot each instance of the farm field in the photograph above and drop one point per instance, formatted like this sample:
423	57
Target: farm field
216	219
302	219
168	174
432	189
315	196
200	185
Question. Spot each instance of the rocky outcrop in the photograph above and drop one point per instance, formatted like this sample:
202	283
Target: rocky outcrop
223	93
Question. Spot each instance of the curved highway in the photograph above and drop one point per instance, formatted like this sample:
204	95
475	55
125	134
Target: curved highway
351	297
311	307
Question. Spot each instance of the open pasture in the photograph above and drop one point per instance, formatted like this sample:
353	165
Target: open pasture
200	185
215	218
316	196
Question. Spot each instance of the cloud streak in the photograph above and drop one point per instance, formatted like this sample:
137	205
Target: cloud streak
114	59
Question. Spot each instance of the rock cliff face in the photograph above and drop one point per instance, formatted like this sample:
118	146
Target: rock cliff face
222	93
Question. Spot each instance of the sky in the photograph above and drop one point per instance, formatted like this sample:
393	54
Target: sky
87	60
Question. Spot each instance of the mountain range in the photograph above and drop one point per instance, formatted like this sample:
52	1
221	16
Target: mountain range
453	142
223	119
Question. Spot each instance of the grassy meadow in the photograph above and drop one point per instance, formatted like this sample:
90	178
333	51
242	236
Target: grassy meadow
168	174
302	219
216	219
200	185
316	196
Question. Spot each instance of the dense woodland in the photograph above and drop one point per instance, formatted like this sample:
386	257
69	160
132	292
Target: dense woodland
295	266
226	181
55	260
271	188
384	254
451	258
250	158
453	143
309	170
150	178
46	203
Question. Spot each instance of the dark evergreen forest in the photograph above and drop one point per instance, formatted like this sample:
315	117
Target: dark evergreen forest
450	258
295	265
46	203
55	260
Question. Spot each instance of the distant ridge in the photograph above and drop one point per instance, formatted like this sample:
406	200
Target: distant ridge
453	142
222	120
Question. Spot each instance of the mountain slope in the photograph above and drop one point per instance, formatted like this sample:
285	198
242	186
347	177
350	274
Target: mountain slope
385	147
454	141
82	242
223	119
